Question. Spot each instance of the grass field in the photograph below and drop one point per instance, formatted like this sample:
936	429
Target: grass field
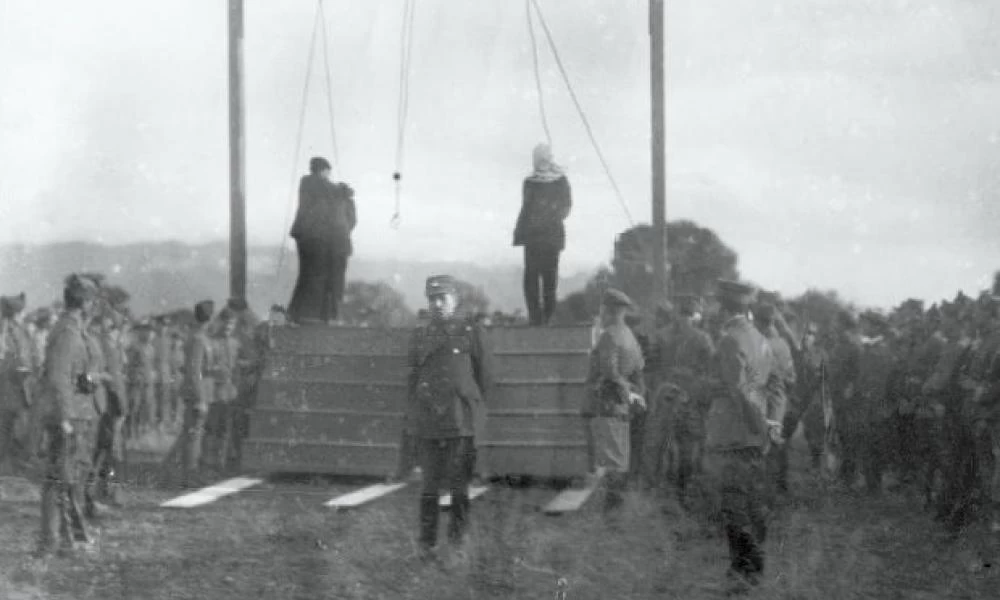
278	541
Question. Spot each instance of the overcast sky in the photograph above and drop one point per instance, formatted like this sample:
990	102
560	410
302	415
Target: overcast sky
846	144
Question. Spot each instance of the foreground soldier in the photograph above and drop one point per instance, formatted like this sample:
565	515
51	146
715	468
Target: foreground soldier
220	419
740	427
67	404
448	382
15	379
614	384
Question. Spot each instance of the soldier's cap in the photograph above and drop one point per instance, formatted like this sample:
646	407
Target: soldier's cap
226	315
616	298
82	287
440	284
766	297
736	292
43	315
689	304
847	319
204	310
874	319
764	312
11	306
237	304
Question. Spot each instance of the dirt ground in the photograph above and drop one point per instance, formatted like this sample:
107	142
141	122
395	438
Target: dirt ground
279	541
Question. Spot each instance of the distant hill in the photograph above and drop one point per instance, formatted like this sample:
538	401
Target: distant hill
168	275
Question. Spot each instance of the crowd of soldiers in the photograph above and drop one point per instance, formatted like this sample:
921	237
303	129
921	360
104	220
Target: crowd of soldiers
910	400
74	390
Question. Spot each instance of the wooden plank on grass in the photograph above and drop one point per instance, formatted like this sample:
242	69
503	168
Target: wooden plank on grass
474	492
572	499
211	493
364	495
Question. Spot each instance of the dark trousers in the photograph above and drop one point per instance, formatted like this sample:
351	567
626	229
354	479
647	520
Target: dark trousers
109	455
66	491
450	463
319	289
541	273
746	500
192	436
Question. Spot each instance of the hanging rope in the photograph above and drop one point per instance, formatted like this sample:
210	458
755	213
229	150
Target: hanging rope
329	87
579	109
405	54
538	77
298	139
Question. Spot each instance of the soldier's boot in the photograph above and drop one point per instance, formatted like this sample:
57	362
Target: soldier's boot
429	514
460	511
746	557
51	513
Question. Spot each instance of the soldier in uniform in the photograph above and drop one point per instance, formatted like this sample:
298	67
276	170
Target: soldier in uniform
680	404
109	455
741	426
40	337
141	381
772	326
67	399
448	384
615	384
807	408
845	363
198	389
220	419
946	391
254	342
166	386
868	425
15	379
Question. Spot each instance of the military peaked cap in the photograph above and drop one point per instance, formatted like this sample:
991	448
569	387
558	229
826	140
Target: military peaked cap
203	311
735	291
82	287
613	297
12	305
440	284
689	304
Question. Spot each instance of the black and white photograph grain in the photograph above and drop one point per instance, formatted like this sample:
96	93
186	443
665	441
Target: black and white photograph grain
499	299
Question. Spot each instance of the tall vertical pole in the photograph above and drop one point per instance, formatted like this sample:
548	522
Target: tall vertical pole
237	157
659	151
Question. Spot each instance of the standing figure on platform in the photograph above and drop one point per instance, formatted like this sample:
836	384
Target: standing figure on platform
546	202
740	427
68	414
322	231
614	384
15	382
449	380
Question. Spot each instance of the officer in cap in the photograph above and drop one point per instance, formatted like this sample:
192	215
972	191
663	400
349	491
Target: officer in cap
67	407
614	384
449	381
740	426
